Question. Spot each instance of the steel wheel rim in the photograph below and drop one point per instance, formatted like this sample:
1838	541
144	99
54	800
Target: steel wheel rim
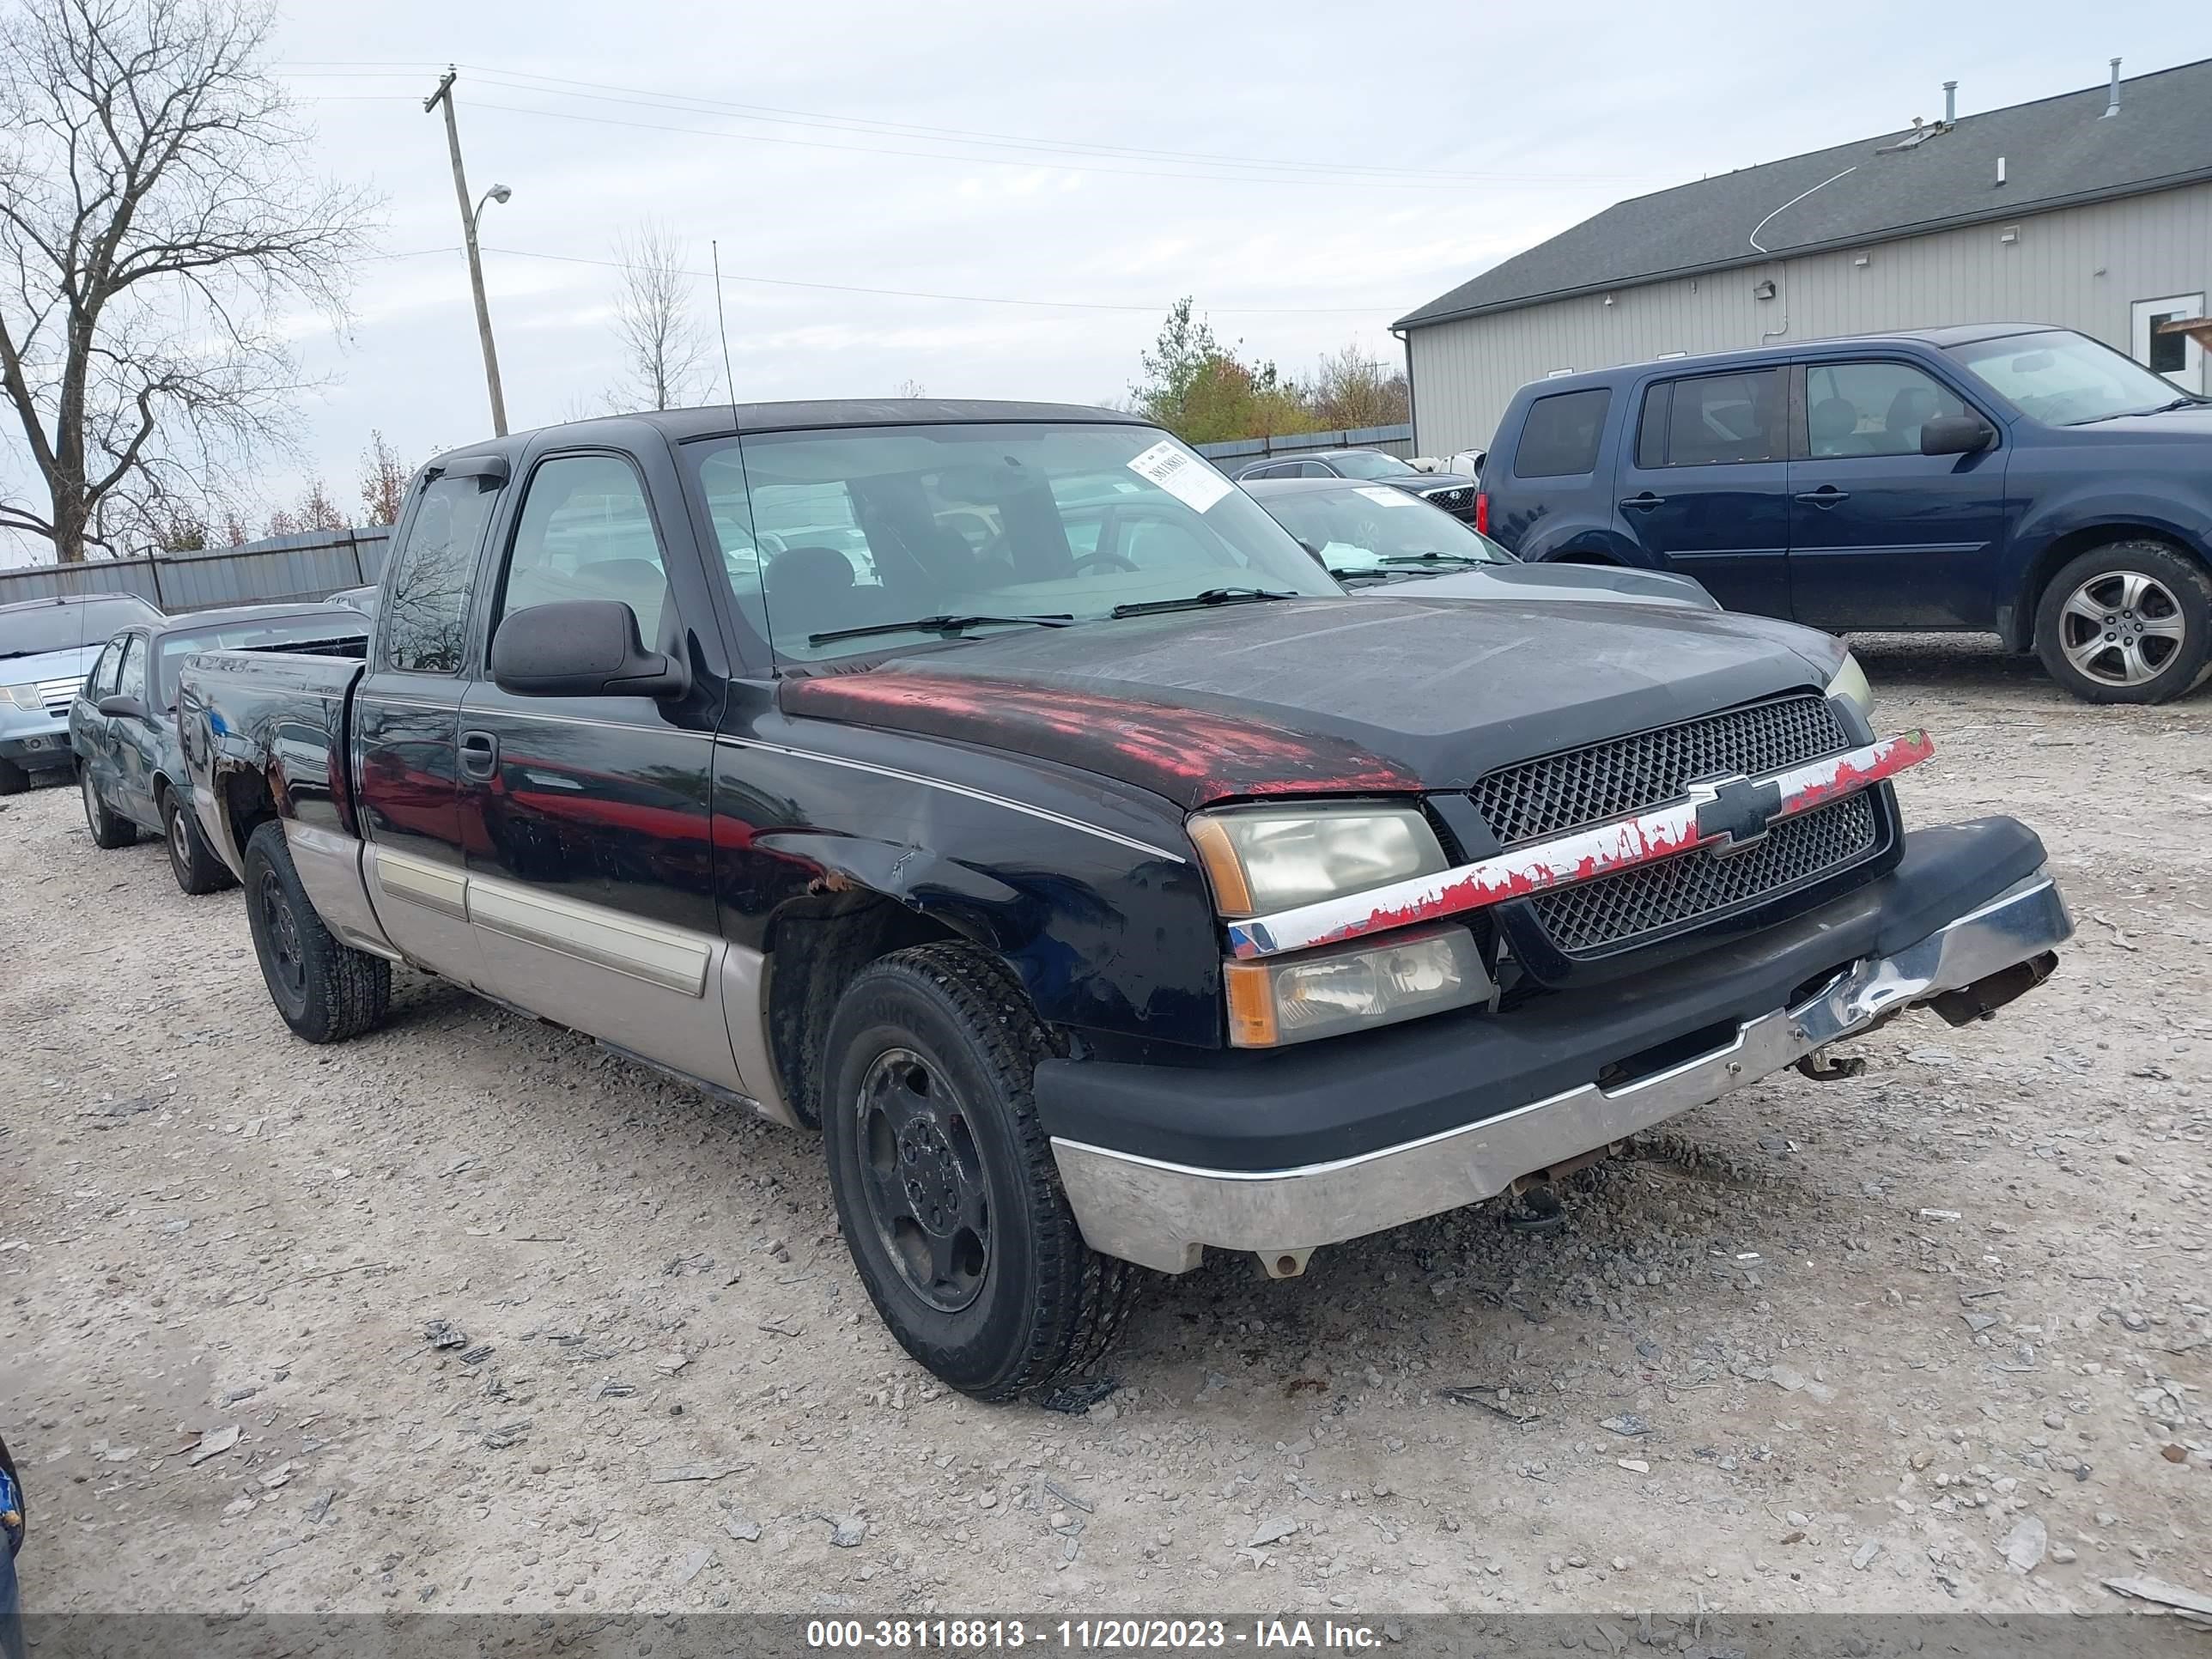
921	1172
91	800
2122	628
180	845
281	930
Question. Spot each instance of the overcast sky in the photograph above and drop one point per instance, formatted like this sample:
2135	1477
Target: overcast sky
827	144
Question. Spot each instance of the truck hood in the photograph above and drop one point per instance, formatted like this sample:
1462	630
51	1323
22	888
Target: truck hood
1384	692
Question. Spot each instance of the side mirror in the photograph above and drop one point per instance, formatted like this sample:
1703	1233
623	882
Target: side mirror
1956	434
122	708
580	648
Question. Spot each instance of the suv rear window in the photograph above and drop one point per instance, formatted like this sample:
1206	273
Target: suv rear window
1560	435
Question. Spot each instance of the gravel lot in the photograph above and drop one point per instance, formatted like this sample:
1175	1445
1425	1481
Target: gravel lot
1826	1346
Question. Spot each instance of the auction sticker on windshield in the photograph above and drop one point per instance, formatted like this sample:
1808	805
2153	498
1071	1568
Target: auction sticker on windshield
1384	496
1183	475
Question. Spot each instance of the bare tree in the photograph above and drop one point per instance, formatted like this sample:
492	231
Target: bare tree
383	481
1351	389
157	214
663	347
912	388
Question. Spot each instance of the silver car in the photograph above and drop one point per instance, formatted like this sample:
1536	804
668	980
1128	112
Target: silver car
47	649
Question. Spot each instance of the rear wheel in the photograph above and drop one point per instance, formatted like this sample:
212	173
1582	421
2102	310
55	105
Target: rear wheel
2129	621
109	829
191	859
326	990
946	1186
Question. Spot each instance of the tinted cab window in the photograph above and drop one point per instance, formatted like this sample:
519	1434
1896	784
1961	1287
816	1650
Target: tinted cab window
426	600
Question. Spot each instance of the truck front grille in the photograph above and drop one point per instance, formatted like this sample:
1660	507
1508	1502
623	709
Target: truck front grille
1552	796
1612	780
1659	899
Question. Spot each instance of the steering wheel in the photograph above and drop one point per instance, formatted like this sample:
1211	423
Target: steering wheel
1116	561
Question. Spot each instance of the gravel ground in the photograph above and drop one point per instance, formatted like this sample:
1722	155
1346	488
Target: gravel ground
1827	1346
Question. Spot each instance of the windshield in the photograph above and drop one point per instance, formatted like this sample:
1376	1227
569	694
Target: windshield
175	647
38	629
2065	379
1372	464
1373	527
953	529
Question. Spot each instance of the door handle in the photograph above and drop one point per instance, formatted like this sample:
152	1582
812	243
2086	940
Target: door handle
1646	501
1825	495
479	754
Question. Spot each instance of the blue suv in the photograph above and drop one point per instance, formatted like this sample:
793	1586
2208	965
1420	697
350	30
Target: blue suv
2008	479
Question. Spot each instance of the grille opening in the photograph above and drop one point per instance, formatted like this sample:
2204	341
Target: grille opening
1650	1062
1621	909
1610	780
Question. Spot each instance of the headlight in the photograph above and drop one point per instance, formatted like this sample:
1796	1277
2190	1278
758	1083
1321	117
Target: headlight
1265	858
26	696
1850	681
1324	992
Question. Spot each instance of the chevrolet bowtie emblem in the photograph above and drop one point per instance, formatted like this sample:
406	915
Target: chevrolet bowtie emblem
1732	813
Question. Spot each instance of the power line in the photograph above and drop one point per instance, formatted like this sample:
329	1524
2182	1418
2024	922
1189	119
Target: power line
925	294
1371	175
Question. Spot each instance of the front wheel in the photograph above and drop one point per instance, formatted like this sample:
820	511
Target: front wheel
325	990
2129	621
192	861
109	829
945	1187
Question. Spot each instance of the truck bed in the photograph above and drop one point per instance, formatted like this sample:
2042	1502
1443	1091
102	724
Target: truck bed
277	716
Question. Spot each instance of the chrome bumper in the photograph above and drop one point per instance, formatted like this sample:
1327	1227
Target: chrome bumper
1161	1215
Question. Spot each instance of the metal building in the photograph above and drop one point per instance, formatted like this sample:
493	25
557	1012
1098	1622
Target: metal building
2092	210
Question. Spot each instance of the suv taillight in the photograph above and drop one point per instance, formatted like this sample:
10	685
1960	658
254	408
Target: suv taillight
1482	511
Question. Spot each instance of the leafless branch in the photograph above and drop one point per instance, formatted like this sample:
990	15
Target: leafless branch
663	347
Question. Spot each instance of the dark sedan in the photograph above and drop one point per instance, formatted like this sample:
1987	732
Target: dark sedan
123	723
1449	491
1367	535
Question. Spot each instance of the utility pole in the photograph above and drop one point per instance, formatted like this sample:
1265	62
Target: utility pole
444	95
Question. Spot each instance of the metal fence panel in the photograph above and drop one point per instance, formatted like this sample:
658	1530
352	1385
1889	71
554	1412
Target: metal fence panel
283	569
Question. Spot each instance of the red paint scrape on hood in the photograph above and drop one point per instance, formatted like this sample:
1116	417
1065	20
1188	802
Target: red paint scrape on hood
1191	755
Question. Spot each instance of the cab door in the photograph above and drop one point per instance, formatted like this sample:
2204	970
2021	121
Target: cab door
1703	481
588	821
406	721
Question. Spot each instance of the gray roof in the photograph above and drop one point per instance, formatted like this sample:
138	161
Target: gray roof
2058	152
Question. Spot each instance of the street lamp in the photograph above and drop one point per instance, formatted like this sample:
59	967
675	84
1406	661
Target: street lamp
499	193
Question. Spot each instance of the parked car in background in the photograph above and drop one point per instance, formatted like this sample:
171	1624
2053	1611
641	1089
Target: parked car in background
363	599
1367	535
1450	491
2005	479
46	646
123	722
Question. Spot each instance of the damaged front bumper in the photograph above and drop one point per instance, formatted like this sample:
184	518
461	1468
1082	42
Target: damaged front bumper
1162	1213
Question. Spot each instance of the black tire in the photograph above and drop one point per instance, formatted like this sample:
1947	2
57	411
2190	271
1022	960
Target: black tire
2129	622
325	990
1024	1300
192	861
109	829
14	779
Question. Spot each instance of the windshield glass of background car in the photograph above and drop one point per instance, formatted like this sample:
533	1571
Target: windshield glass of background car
1361	526
47	627
2064	379
169	661
1372	464
890	524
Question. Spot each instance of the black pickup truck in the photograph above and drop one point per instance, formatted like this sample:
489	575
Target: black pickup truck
998	789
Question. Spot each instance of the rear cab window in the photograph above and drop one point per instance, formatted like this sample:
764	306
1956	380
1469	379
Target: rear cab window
423	610
1559	439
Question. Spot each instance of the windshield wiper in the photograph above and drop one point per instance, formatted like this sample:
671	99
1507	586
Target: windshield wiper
1366	571
1433	558
934	625
1211	596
